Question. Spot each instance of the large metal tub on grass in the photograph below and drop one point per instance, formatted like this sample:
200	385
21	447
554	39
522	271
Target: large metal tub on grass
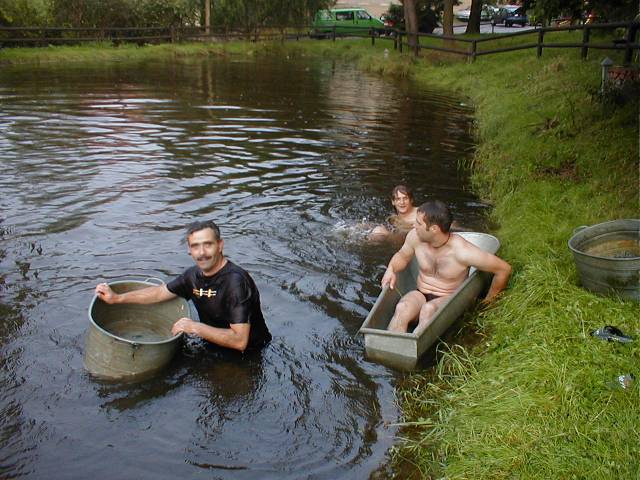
607	257
128	341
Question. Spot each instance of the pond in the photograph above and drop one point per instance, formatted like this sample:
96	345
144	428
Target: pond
103	166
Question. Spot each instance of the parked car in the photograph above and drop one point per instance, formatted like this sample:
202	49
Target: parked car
517	17
347	21
486	14
503	12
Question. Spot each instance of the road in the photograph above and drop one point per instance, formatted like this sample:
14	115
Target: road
487	28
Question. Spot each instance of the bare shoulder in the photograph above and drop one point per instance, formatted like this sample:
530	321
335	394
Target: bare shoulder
412	238
411	242
465	251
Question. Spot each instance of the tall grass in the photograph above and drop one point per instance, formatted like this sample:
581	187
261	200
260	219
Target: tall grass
538	398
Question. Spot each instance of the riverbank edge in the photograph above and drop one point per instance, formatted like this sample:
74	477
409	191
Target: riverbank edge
537	397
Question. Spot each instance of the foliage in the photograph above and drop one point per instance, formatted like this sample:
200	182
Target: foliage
251	14
20	13
247	14
605	10
124	13
429	14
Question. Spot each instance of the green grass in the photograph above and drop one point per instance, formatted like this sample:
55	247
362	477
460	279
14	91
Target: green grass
105	51
536	396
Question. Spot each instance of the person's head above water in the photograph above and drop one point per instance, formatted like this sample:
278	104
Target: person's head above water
402	198
202	225
206	246
435	212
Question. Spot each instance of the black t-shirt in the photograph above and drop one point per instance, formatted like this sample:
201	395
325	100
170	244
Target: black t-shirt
229	296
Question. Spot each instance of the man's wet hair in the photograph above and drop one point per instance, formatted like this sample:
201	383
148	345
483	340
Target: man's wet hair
201	225
436	213
402	189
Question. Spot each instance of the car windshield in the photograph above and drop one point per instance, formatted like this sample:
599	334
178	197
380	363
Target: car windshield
362	15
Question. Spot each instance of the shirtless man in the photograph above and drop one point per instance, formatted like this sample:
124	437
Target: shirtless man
224	294
405	217
443	259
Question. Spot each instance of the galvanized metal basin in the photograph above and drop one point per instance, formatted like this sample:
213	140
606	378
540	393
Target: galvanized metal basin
403	350
131	341
607	257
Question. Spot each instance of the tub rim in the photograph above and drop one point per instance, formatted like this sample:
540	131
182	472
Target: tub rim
584	228
133	343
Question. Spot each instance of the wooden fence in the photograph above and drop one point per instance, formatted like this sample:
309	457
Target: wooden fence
627	43
42	36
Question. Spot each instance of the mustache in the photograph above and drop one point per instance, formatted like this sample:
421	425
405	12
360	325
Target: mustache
204	257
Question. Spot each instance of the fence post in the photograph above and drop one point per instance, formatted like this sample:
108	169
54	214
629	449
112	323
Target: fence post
417	47
373	37
400	41
631	39
540	41
395	40
474	48
173	34
333	32
586	33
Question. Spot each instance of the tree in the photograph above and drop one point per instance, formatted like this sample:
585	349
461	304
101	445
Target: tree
428	13
411	22
474	17
447	17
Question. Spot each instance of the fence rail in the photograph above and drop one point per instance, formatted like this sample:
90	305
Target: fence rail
628	43
37	36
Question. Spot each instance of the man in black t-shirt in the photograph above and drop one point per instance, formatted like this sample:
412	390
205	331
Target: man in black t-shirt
224	294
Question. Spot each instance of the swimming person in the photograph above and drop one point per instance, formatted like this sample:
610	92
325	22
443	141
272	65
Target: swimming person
443	259
225	296
404	218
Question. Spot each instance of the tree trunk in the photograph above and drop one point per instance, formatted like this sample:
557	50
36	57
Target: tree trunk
411	22
207	16
474	17
447	18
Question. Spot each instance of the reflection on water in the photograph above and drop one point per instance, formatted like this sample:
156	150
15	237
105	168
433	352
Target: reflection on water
102	167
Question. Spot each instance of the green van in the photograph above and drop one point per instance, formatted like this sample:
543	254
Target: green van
348	21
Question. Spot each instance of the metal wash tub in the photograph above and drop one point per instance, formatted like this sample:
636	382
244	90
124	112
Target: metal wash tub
130	341
607	257
402	350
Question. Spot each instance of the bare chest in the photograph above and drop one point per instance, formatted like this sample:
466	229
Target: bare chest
439	263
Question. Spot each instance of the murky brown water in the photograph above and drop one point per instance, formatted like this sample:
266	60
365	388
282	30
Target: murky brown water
102	167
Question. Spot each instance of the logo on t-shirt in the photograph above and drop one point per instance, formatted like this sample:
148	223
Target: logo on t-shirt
199	292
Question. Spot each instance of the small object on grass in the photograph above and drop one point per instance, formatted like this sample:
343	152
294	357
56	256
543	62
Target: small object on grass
626	381
611	334
622	382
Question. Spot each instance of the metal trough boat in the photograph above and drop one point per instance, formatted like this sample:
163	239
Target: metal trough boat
402	350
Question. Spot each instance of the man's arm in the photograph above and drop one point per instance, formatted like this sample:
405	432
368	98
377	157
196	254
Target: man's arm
487	262
236	336
400	260
155	294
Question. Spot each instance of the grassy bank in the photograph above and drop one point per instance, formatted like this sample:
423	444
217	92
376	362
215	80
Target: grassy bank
537	397
106	52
